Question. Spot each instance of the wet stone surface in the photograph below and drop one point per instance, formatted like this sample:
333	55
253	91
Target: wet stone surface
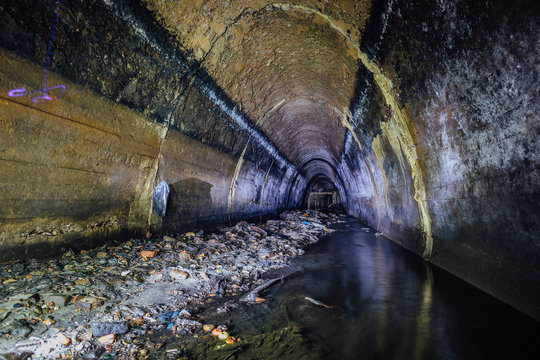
116	301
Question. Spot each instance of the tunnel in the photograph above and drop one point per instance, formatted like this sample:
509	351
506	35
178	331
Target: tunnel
418	117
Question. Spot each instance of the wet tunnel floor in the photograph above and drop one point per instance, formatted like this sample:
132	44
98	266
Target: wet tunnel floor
384	303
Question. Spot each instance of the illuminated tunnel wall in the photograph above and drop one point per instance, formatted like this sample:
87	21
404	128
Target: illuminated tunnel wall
423	114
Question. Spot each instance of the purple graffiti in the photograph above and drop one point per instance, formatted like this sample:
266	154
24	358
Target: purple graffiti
45	96
17	92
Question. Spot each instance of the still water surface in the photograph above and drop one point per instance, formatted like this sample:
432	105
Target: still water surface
386	303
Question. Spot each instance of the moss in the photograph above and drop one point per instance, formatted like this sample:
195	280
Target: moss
287	342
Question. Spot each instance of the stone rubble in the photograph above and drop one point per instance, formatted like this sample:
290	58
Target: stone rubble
108	302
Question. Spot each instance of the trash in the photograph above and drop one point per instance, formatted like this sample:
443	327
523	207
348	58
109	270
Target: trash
117	293
253	295
317	302
169	315
148	254
187	322
259	231
161	195
117	328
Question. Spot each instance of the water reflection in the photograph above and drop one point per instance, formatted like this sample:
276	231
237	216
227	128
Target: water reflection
387	304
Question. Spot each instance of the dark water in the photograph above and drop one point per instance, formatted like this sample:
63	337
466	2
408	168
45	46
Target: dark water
387	304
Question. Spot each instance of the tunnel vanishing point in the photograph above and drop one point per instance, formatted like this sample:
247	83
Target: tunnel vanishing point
423	114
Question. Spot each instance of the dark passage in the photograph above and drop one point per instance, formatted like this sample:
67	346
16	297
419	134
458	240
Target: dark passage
322	195
386	303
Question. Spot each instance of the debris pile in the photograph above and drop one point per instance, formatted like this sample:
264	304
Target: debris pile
111	300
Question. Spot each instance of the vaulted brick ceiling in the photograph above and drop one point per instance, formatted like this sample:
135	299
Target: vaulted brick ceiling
291	68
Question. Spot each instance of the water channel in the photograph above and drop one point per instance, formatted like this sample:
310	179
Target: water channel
383	302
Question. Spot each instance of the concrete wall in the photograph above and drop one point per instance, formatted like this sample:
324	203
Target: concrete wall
80	170
423	113
451	172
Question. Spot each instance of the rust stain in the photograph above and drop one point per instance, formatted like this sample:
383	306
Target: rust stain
376	145
232	188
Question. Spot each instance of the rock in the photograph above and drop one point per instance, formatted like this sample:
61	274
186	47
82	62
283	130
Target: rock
19	328
181	244
83	282
168	238
176	274
185	314
28	343
204	276
184	256
4	313
107	339
95	302
148	254
137	322
265	253
208	327
83	305
116	328
85	336
58	300
37	311
77	298
102	255
63	339
49	321
33	300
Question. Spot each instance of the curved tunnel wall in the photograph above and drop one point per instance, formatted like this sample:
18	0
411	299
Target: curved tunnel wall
81	169
423	114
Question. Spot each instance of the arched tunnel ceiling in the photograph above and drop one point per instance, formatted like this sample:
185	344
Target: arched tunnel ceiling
423	114
289	70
